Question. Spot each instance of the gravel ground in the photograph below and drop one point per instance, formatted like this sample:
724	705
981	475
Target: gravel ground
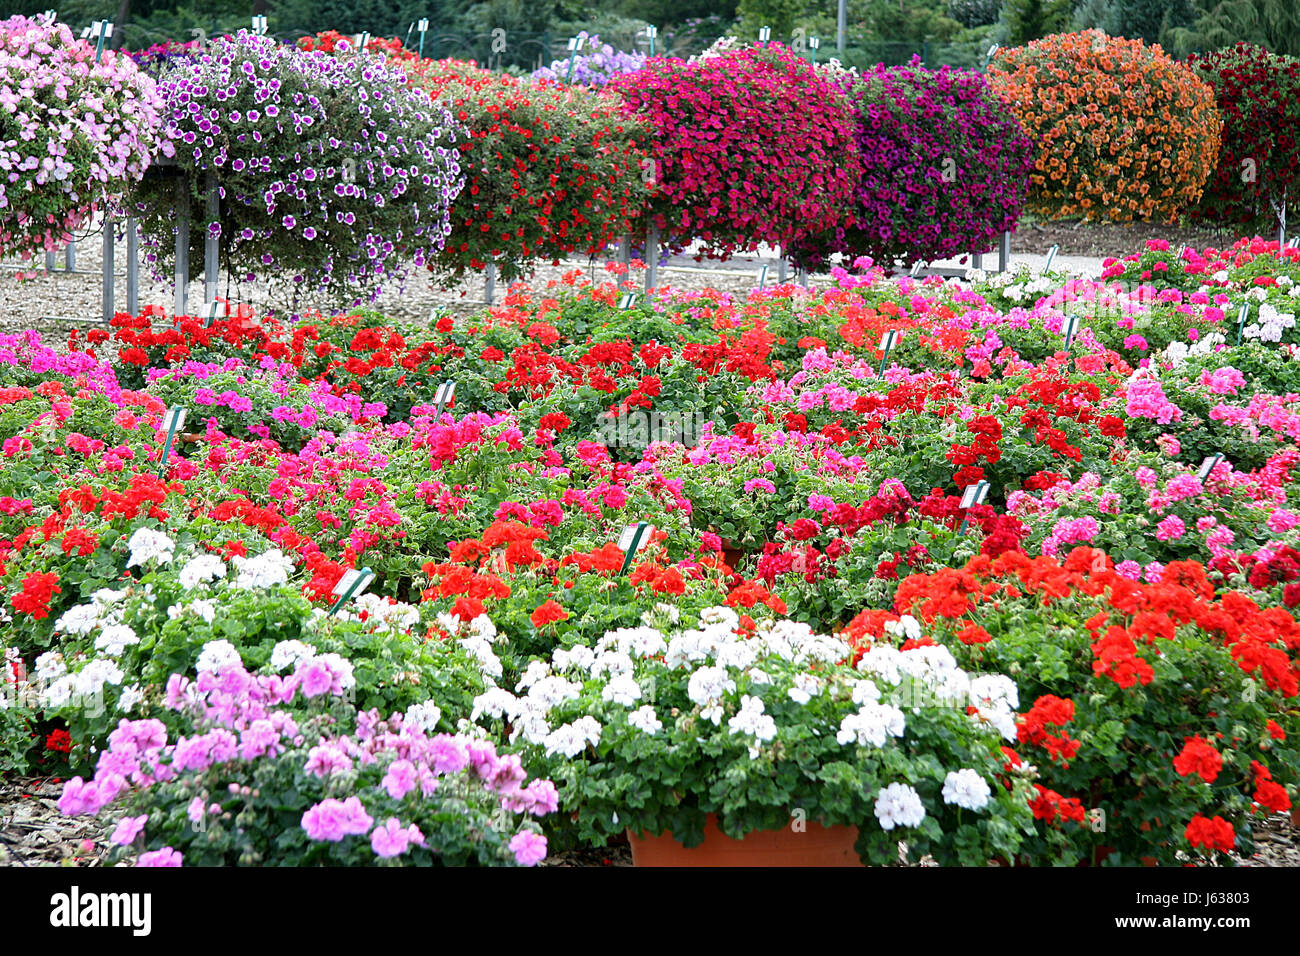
34	833
30	298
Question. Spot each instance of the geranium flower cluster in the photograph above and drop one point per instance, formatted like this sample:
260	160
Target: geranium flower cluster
243	728
61	163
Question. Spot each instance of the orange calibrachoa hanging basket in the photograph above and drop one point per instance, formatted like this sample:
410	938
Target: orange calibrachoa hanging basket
1123	131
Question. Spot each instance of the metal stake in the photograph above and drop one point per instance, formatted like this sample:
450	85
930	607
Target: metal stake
108	304
132	266
211	243
182	245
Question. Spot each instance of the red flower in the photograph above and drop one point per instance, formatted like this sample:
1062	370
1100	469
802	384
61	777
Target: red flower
548	613
1198	757
34	598
555	421
467	608
1275	730
1267	792
1212	834
59	741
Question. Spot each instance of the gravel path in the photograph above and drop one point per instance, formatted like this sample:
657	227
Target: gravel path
34	833
30	298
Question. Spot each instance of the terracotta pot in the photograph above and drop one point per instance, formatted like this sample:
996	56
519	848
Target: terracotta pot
815	846
1295	815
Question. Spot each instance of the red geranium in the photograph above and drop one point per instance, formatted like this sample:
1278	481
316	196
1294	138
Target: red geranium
548	613
1211	833
34	599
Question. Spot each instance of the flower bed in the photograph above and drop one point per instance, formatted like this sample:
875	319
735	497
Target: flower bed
814	620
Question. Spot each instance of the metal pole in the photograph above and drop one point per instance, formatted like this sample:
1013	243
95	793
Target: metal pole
490	283
182	245
49	262
70	256
132	267
782	266
1004	252
841	25
651	257
211	243
625	249
109	311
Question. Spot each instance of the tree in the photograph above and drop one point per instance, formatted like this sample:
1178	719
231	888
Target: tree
1272	24
1027	20
777	14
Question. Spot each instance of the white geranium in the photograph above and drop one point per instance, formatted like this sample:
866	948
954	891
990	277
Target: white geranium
50	666
483	653
425	716
554	690
79	620
200	570
131	697
263	571
899	805
90	680
494	702
580	656
872	725
287	655
966	788
534	672
389	613
645	720
751	720
216	656
622	689
865	692
148	544
115	638
572	739
805	688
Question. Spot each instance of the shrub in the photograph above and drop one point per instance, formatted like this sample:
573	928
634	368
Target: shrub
332	170
1258	95
551	170
945	163
62	164
751	146
1123	131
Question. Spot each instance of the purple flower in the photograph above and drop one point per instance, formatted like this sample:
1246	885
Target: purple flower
390	839
332	819
400	779
529	848
164	857
128	828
